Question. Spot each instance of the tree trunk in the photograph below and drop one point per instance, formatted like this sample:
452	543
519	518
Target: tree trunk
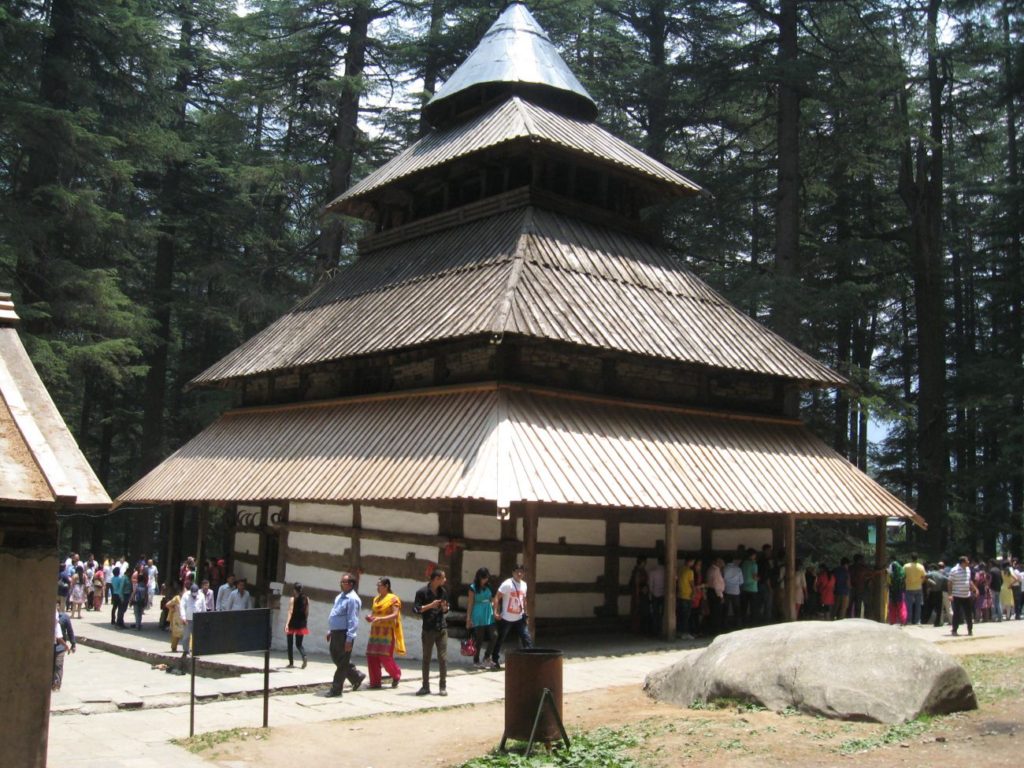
345	135
921	182
1016	275
786	301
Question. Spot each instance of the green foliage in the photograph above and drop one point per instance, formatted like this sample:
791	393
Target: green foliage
602	748
894	734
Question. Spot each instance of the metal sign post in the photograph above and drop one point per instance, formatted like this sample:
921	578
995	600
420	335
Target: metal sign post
217	632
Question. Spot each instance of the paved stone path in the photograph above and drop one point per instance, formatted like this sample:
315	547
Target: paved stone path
117	708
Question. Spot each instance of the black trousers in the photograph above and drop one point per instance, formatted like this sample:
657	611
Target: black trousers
435	640
966	606
344	669
295	640
522	630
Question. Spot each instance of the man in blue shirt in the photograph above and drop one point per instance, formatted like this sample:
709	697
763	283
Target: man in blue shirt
342	626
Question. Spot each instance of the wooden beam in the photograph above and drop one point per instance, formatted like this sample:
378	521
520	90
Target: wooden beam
530	562
791	574
668	622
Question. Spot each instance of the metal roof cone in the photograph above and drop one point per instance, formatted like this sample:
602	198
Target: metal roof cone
514	57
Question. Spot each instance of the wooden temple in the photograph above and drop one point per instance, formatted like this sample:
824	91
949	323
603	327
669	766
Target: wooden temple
42	473
513	369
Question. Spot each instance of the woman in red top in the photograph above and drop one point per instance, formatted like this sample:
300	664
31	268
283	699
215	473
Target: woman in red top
825	586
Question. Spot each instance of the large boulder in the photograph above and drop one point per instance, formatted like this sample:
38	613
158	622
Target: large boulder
851	670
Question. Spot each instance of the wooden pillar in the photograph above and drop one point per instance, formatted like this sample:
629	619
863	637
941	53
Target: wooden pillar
668	623
707	530
530	563
175	529
791	574
261	556
881	583
201	524
611	567
357	540
28	555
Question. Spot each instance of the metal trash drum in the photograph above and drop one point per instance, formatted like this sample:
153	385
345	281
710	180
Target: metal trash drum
528	672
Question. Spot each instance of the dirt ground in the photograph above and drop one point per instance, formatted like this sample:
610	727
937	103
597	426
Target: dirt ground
670	736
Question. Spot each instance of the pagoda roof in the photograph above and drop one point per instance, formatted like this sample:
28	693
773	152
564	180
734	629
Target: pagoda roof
515	120
514	55
526	271
505	444
40	462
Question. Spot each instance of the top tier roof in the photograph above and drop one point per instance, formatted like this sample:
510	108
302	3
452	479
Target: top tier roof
514	56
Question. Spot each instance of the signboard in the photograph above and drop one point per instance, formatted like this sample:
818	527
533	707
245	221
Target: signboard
216	632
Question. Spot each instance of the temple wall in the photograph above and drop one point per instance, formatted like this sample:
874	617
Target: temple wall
320	541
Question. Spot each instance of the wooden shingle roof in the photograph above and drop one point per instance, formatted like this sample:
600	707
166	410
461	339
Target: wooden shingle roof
506	444
40	462
529	272
514	120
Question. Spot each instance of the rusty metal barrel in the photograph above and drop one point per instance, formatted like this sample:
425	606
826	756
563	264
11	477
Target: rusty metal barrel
528	672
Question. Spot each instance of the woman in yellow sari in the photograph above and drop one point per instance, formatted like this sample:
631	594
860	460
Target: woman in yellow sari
177	625
386	638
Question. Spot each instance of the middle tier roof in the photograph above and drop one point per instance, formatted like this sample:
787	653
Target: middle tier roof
525	271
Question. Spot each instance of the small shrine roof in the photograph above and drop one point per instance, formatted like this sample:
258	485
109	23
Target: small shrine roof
40	462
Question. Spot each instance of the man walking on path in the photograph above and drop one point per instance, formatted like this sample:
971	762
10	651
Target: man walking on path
192	604
431	604
914	575
63	644
510	605
961	586
342	625
239	599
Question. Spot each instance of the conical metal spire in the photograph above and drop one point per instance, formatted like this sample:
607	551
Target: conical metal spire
515	57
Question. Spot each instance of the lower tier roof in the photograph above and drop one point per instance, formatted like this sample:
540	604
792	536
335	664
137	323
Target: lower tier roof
506	444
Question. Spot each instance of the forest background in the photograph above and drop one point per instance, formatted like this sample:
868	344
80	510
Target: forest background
164	163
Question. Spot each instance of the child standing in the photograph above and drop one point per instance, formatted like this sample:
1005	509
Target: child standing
77	595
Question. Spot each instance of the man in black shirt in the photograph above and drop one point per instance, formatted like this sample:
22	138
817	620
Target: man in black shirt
432	604
995	585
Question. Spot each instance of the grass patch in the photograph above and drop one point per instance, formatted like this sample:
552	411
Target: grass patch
995	677
205	741
601	748
894	734
727	703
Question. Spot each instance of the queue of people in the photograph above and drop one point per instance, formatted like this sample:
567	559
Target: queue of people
747	589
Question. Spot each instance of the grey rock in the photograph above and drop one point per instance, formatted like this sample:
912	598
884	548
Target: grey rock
849	670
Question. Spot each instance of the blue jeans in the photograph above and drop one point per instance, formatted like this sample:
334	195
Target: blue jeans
997	606
521	628
914	598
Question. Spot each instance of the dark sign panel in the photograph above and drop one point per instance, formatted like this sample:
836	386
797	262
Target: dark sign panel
231	632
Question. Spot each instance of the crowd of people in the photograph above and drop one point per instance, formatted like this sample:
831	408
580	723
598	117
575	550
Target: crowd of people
492	616
748	589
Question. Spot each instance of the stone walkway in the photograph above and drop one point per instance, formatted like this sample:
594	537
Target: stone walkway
118	706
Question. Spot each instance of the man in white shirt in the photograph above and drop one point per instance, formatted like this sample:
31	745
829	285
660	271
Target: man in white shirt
190	605
510	607
239	600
